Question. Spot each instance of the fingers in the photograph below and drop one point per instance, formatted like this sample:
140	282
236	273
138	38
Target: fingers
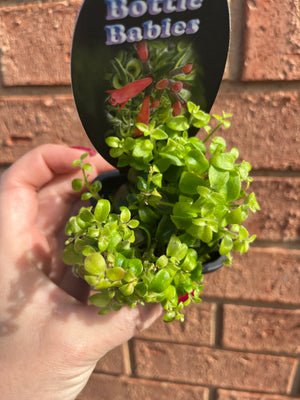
38	167
36	170
106	332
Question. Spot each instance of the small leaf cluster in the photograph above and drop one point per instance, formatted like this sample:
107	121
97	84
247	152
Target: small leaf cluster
185	201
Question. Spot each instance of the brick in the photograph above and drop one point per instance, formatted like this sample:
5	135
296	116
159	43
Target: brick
112	362
234	395
196	329
272	40
261	329
208	366
265	275
36	43
26	122
120	388
264	126
279	217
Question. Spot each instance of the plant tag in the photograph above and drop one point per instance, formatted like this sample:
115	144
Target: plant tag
133	61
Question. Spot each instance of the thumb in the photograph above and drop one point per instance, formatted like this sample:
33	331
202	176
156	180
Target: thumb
104	332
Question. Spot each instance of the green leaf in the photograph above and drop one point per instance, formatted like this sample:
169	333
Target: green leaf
133	224
237	216
70	257
160	281
87	250
77	185
142	127
189	182
103	284
76	163
224	161
192	107
203	233
86	215
136	266
112	141
83	156
147	215
86	196
197	144
115	274
157	179
202	119
169	316
129	143
217	178
226	245
116	152
162	261
142	148
102	210
171	158
179	123
95	264
100	299
183	209
92	280
176	249
190	261
96	186
141	289
114	239
125	215
252	203
181	222
127	289
218	145
196	161
72	226
159	134
233	187
103	244
87	167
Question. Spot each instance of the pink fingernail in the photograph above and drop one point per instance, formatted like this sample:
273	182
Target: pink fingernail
90	151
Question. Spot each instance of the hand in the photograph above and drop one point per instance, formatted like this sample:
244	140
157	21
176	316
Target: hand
50	339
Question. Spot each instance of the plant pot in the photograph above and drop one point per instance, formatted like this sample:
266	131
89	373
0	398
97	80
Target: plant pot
111	183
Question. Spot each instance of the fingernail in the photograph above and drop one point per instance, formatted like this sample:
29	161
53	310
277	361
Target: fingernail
90	151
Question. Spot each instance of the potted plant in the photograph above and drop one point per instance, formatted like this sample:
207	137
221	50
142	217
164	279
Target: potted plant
181	202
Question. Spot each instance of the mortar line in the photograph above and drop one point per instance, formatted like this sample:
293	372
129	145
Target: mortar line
126	359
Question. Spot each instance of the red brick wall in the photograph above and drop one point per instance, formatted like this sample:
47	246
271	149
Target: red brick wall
243	341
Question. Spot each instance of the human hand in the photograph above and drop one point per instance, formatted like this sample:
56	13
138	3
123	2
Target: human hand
50	339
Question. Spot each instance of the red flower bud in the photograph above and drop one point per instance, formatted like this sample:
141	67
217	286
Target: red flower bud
176	109
162	84
123	95
187	68
182	299
142	50
155	103
177	86
143	115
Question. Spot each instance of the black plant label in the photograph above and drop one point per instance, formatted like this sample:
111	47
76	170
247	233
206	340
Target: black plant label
141	61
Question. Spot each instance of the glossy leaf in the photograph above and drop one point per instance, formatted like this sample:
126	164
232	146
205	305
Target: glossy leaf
95	264
100	299
160	282
196	161
115	274
102	210
189	182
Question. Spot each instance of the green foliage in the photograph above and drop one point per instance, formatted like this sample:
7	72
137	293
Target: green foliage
185	200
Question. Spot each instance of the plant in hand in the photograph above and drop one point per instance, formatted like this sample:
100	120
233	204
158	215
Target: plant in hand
184	200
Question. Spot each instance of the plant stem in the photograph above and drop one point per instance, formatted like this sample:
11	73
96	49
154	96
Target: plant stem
212	132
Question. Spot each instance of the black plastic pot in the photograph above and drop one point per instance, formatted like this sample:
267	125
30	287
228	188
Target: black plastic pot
111	183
